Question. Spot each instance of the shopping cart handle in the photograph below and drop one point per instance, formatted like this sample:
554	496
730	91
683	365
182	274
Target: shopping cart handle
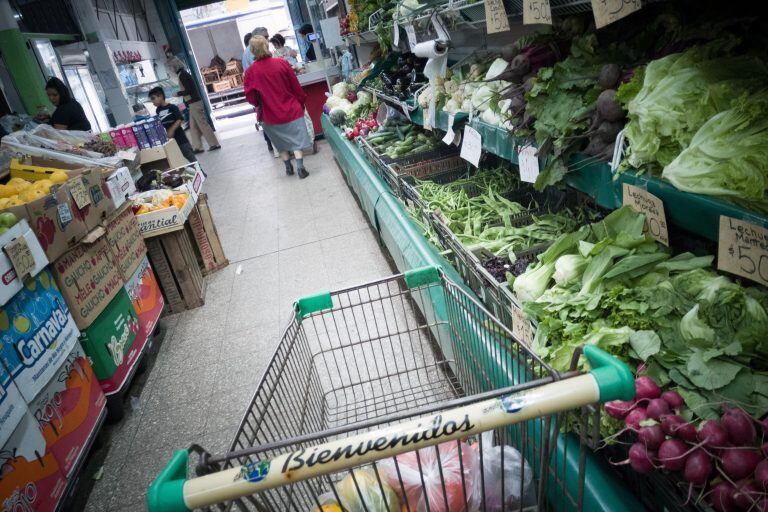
613	376
166	493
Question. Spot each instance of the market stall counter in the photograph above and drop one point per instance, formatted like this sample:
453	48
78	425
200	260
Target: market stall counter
313	82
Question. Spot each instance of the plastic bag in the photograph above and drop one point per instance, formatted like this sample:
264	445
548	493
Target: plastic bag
513	462
369	498
458	492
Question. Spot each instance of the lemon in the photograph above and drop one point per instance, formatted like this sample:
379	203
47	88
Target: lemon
5	322
30	194
44	185
7	191
59	177
4	202
21	324
45	281
14	201
14	181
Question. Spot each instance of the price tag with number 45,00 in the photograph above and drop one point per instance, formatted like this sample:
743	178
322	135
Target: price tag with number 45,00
742	249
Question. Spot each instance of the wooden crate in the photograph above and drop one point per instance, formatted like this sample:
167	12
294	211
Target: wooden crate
210	75
235	80
234	66
206	237
221	85
175	262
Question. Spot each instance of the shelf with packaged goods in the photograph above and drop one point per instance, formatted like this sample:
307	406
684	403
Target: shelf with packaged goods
694	213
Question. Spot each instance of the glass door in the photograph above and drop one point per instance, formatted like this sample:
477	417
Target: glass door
47	58
84	91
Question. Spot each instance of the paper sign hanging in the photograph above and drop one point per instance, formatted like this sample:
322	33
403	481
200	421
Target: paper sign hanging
537	12
522	329
742	249
411	32
529	164
79	192
608	11
21	257
652	207
495	17
472	146
449	134
395	35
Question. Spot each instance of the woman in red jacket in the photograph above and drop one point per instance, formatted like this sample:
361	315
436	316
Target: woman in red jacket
272	87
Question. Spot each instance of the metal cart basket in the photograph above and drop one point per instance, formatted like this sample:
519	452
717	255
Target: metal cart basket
365	377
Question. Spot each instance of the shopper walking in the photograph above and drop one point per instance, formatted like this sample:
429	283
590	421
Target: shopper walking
247	61
69	114
272	87
198	121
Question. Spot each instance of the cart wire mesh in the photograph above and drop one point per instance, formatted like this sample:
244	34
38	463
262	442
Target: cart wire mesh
386	352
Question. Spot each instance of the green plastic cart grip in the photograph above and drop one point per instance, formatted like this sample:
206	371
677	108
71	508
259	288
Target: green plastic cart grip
314	303
613	376
166	494
422	276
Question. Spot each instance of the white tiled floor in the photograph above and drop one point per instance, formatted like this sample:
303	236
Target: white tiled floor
284	238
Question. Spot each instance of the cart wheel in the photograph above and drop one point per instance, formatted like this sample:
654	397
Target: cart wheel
115	409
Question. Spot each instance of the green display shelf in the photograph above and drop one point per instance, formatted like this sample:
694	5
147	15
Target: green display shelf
603	492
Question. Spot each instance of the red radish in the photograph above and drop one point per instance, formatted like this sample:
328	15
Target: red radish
618	408
739	463
740	427
764	425
670	422
634	418
762	506
686	432
746	495
674	399
646	389
657	408
698	467
640	458
761	474
712	434
672	454
721	497
651	436
764	449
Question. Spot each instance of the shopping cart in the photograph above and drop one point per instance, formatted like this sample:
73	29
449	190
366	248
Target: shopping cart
366	376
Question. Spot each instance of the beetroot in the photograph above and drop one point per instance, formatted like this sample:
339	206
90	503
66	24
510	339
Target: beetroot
674	399
740	427
672	454
657	408
640	458
646	389
609	76
509	52
520	65
618	408
739	463
712	434
698	467
721	497
746	495
634	418
651	436
761	474
610	110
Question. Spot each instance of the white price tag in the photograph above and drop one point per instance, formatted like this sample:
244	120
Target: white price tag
21	257
536	11
742	249
472	146
495	17
411	35
79	192
449	135
65	213
651	207
395	34
522	329
529	164
608	11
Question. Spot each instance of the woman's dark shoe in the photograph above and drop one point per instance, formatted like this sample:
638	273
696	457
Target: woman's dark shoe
197	151
214	148
289	169
303	173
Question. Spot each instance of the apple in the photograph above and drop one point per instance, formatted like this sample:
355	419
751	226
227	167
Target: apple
8	219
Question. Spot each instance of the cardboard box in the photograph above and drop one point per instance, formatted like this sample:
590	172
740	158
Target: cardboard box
101	204
141	135
125	242
37	334
12	405
129	137
120	185
53	220
167	219
88	279
109	342
145	294
31	479
10	283
167	156
68	409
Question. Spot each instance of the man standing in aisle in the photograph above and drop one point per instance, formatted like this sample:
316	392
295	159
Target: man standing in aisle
198	121
247	61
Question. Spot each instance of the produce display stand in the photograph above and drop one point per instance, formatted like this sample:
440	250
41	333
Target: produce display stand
175	263
602	489
206	237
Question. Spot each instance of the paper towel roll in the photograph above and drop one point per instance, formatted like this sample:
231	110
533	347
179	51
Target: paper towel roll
430	49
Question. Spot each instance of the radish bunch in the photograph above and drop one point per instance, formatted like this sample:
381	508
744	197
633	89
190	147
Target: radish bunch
725	459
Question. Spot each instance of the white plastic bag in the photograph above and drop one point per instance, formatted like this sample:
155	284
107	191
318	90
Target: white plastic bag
458	491
513	462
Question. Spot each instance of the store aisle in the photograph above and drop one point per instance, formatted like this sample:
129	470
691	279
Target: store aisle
284	238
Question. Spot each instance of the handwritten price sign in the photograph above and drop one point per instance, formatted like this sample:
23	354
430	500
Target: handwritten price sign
608	11
79	192
652	207
528	162
743	249
495	17
472	147
536	11
522	329
21	257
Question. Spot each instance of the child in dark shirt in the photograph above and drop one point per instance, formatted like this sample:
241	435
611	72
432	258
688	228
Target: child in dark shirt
171	117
